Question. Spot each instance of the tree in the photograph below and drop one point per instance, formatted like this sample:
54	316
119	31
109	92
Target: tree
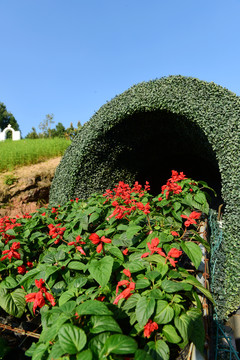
59	131
7	118
45	125
71	132
33	134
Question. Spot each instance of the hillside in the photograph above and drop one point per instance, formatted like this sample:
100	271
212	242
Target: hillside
26	188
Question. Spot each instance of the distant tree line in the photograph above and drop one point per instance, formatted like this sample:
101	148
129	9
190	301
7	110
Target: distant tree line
45	126
58	131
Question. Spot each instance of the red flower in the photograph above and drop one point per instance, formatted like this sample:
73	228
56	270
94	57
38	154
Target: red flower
174	233
127	273
29	264
153	248
21	269
56	232
37	298
43	214
191	218
125	251
77	241
125	294
173	253
12	252
149	328
100	298
95	239
80	249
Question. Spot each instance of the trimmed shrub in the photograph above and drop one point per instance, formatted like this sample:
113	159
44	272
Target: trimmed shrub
174	122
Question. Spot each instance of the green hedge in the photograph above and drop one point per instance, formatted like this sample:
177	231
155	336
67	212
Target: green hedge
176	123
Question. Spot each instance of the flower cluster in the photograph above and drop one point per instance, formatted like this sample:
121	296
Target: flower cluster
124	199
11	252
96	240
56	232
191	219
76	243
153	247
149	328
6	224
172	186
130	286
37	297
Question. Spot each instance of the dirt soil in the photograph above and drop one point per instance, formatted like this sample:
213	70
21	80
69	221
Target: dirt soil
26	189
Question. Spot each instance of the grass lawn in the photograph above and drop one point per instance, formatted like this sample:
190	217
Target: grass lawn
30	151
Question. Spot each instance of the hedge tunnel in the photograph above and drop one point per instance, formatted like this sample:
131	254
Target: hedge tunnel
178	123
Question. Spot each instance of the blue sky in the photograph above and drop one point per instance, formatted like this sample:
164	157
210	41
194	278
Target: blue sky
70	57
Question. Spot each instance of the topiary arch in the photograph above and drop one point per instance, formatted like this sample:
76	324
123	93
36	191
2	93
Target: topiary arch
177	123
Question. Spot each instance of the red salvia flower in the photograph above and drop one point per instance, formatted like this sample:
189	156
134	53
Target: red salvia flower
191	218
96	240
21	269
125	294
12	252
125	251
153	248
37	297
56	232
174	233
149	328
173	253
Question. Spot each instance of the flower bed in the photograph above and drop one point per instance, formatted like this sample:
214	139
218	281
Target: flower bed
112	277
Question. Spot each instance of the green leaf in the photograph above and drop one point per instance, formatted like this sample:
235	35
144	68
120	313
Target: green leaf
56	351
144	310
76	265
120	344
93	307
40	351
97	343
93	217
134	266
197	333
142	355
193	251
158	350
101	270
132	230
67	295
173	286
115	251
142	283
104	323
13	302
200	198
84	355
72	338
155	259
8	283
131	302
164	312
171	335
193	281
183	325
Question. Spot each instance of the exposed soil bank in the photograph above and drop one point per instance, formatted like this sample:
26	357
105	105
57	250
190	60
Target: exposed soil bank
25	189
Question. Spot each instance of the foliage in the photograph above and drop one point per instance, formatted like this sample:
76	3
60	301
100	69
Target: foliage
29	151
154	124
32	134
10	179
7	118
106	276
71	132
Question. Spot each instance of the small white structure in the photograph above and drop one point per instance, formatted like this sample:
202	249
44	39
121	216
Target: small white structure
15	134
